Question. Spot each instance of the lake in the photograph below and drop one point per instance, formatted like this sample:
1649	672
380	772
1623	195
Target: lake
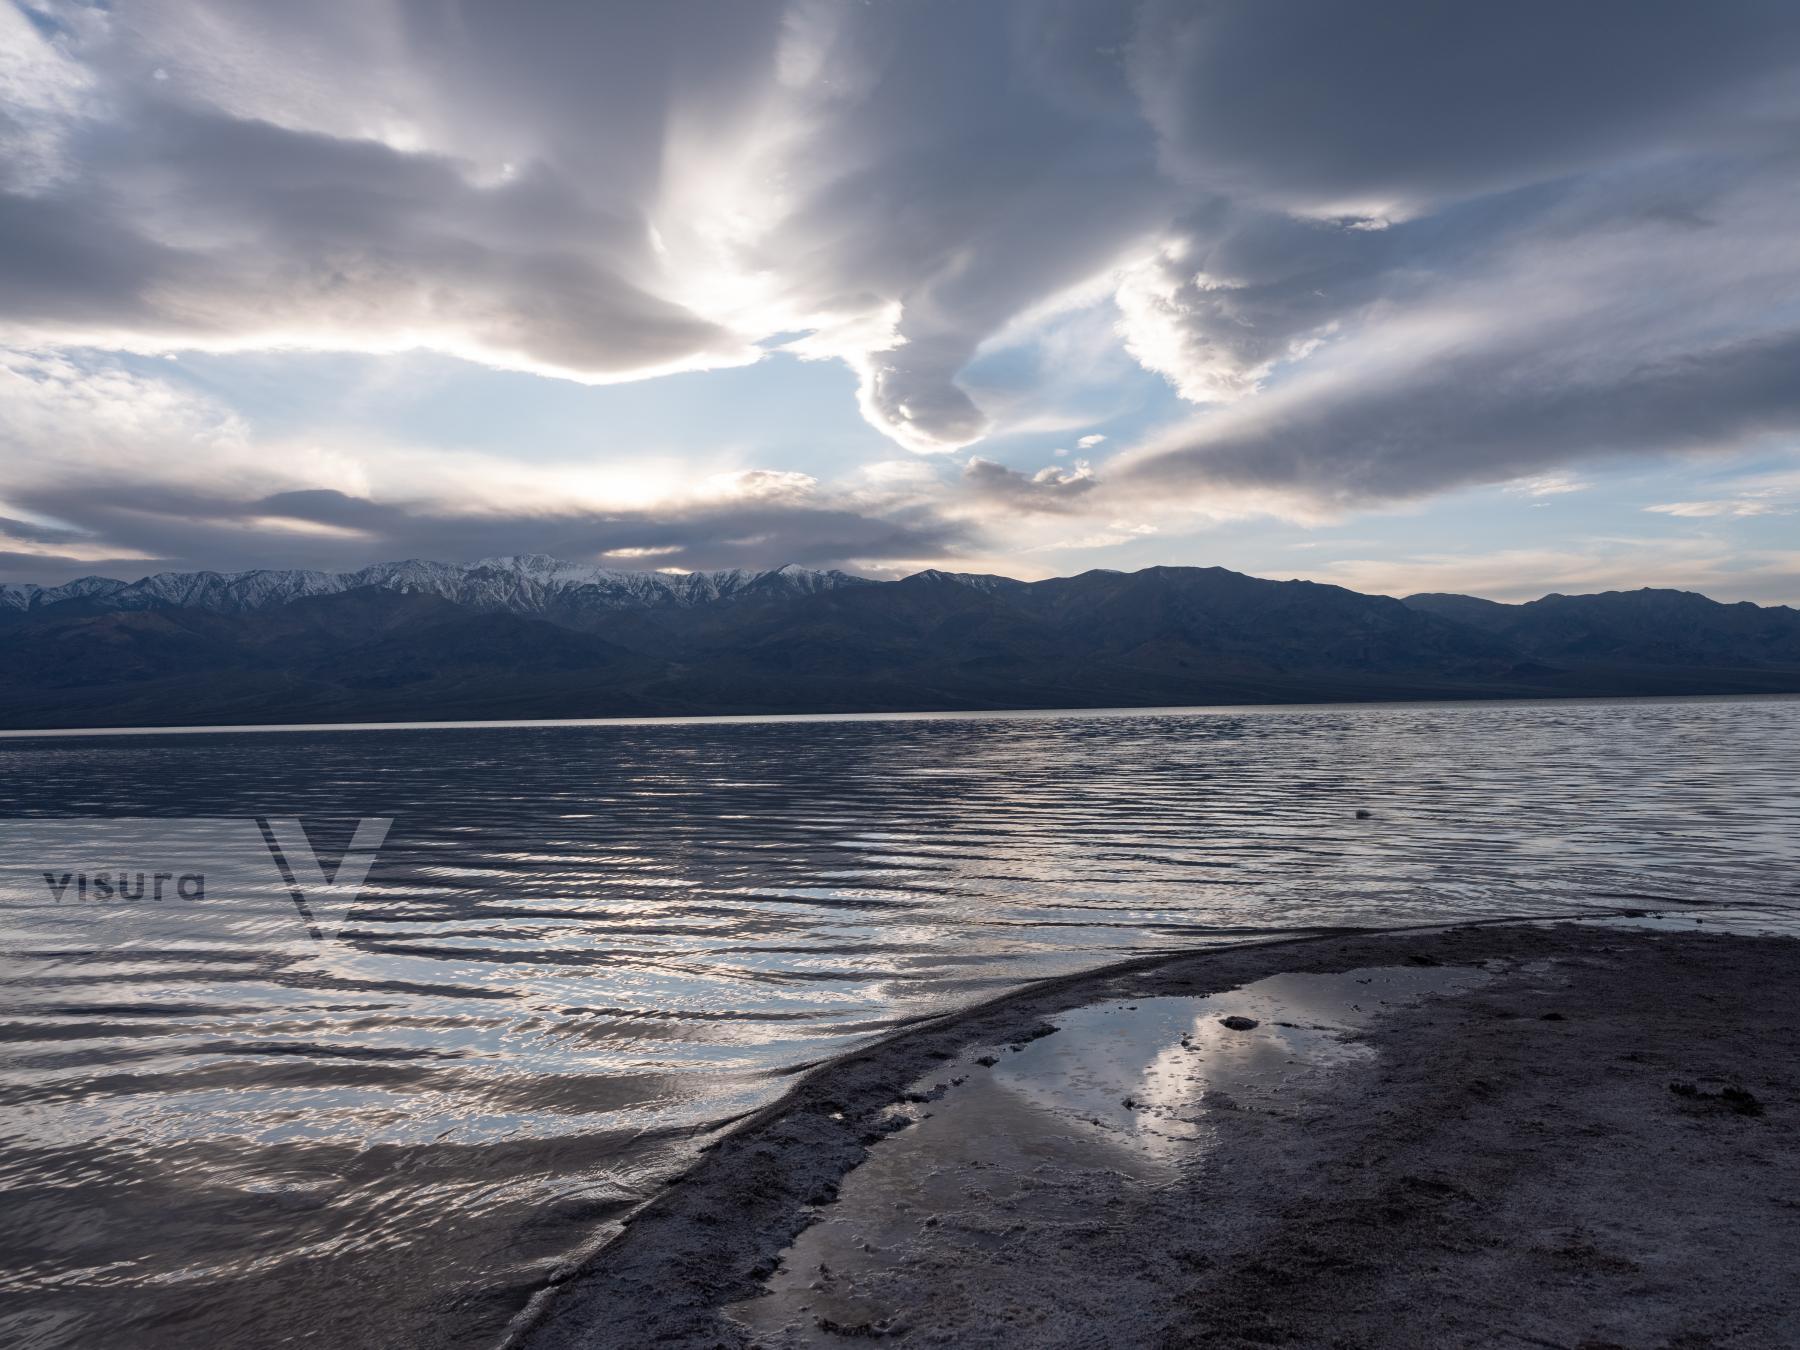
583	947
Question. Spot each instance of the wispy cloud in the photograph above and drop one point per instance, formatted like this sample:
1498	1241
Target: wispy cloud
1732	506
1772	494
1550	485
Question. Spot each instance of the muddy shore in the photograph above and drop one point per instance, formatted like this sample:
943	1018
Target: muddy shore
1572	1135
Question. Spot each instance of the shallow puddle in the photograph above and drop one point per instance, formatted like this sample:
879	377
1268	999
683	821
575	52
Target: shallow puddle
1131	1089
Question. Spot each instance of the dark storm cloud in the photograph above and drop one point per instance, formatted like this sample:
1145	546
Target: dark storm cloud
1310	103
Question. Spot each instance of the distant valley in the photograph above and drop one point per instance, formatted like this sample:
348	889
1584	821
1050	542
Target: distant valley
536	637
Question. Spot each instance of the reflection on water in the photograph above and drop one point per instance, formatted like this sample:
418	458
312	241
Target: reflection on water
1118	1090
1145	1077
584	946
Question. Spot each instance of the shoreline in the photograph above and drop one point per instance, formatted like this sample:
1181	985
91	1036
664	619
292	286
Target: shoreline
867	1143
920	715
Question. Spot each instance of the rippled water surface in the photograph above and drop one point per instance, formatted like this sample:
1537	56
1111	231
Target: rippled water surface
585	946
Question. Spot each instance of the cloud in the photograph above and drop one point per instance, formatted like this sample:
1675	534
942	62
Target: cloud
1440	249
1550	485
1052	490
289	238
33	532
1330	110
53	569
1231	295
1768	576
1116	533
1768	494
325	529
1551	347
596	192
1734	506
1384	254
41	92
194	487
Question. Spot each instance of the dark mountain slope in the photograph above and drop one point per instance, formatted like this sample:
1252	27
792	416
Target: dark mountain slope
932	640
358	654
1490	616
1235	621
1647	627
791	642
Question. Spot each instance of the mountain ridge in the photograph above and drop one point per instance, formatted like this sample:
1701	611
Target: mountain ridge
524	583
530	635
258	587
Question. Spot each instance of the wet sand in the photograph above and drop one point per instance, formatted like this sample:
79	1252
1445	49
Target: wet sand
1573	1135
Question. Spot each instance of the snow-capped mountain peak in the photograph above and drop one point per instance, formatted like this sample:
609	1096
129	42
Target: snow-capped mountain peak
530	583
27	596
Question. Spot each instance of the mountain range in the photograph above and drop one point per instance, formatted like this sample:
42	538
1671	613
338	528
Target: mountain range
532	636
525	584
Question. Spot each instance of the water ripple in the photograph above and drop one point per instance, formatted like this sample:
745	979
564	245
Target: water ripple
585	947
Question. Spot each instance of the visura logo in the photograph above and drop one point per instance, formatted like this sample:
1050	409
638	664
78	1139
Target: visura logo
139	881
124	886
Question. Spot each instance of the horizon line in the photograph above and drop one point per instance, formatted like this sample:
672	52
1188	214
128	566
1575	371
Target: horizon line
675	573
928	715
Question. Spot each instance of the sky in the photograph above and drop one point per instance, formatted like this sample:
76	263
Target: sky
1500	298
